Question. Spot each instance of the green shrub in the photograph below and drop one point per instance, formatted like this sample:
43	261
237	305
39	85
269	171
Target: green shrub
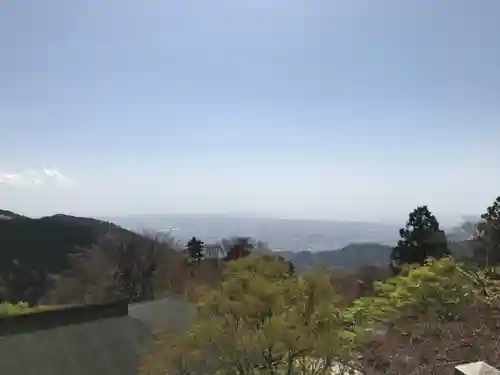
21	308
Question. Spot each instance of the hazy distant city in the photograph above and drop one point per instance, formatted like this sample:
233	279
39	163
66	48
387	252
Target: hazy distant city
279	234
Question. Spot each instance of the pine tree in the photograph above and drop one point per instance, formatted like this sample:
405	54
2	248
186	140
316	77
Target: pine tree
195	250
421	238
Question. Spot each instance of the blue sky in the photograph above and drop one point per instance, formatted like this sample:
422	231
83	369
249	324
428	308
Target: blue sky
340	109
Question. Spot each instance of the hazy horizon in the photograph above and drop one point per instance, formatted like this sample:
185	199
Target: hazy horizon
334	110
446	221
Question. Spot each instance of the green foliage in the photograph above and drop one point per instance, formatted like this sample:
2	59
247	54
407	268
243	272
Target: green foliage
263	320
21	308
14	309
488	235
429	316
441	287
421	238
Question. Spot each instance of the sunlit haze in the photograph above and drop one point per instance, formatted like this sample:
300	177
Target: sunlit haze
344	110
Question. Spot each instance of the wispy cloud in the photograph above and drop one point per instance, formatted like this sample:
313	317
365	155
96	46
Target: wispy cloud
35	178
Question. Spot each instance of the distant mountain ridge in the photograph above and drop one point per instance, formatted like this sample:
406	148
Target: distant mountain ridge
350	257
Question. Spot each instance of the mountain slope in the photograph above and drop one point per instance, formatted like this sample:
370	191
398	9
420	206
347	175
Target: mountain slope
9	215
46	242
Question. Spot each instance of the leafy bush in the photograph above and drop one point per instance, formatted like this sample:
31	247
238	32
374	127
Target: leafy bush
21	308
14	309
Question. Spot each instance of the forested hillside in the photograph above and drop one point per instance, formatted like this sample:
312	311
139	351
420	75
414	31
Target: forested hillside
366	307
73	255
37	252
46	242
